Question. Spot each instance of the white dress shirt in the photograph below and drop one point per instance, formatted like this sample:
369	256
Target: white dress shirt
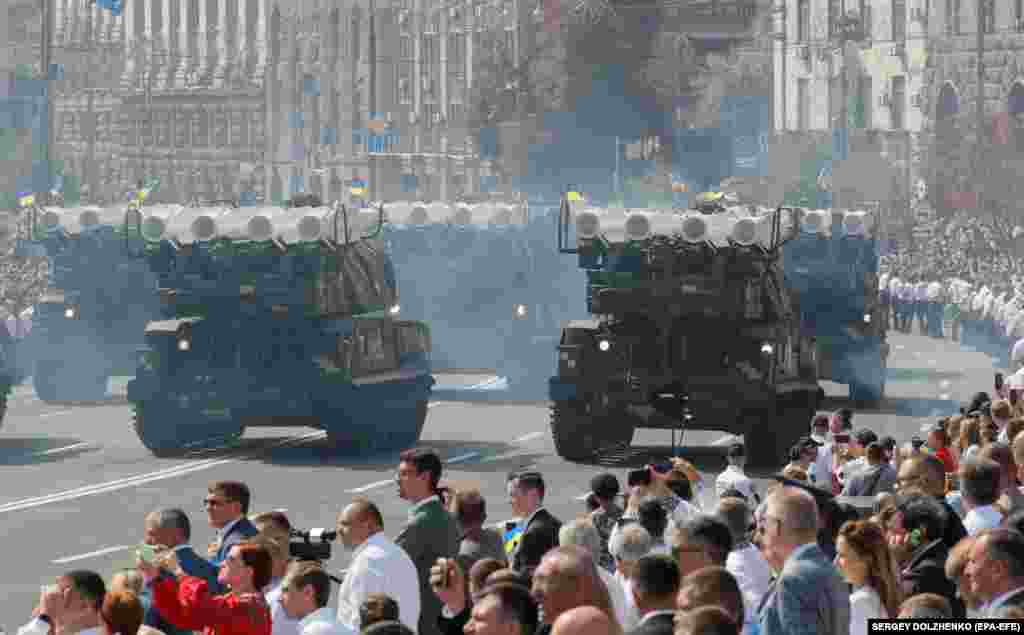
865	605
320	622
753	575
617	595
632	613
821	469
984	517
37	626
734	478
380	566
280	623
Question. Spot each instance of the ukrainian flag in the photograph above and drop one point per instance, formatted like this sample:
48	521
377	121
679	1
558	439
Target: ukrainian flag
26	199
513	534
574	196
357	187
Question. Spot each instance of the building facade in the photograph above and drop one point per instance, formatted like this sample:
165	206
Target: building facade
862	61
952	87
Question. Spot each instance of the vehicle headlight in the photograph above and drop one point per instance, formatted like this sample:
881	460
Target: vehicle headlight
767	349
70	312
521	311
184	345
867	318
604	345
395	309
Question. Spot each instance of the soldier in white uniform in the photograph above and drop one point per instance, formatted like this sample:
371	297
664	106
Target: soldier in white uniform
934	295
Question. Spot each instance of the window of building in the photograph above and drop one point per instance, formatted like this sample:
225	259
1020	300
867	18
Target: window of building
429	52
835	12
456	52
803	99
899	102
989	15
405	87
803	24
456	111
1018	15
510	43
954	25
899	20
866	18
405	48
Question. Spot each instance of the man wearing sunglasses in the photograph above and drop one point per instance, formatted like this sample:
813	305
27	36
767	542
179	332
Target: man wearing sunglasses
227	503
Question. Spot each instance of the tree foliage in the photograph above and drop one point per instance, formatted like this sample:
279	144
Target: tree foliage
22	279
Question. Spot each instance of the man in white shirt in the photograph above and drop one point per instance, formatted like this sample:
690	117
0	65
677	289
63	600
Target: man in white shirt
378	566
745	561
305	591
858	448
733	477
583	533
980	481
71	606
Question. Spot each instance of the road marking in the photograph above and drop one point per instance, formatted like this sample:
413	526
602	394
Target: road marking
583	497
66	448
138	479
92	554
727	440
55	414
529	437
366	488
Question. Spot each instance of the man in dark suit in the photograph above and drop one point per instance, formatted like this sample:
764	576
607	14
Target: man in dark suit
655	583
926	473
171	528
539	528
227	503
996	571
431	532
808	597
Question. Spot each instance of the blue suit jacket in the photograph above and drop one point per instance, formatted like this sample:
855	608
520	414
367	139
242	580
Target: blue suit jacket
194	565
241	531
808	597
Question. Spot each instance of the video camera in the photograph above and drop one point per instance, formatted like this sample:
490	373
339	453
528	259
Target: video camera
313	545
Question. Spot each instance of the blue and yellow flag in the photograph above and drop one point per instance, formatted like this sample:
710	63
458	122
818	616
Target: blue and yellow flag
513	534
26	199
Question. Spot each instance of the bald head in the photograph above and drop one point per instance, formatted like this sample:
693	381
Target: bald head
797	510
584	620
364	510
567	578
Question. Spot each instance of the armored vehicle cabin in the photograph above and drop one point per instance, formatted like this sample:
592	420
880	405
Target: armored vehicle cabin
691	327
277	317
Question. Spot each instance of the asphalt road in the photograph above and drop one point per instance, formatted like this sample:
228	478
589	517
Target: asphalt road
75	483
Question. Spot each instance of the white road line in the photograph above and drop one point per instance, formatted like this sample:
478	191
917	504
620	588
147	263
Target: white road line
376	484
55	414
583	497
728	439
529	437
66	448
92	554
139	479
366	488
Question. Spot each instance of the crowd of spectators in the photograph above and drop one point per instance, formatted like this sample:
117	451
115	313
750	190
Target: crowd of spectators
942	539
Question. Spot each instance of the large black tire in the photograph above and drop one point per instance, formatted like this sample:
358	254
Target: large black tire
580	436
167	430
54	382
3	404
351	438
769	439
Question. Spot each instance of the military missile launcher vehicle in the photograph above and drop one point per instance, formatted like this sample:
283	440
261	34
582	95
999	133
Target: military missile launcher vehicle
833	266
274	316
487	278
100	292
691	327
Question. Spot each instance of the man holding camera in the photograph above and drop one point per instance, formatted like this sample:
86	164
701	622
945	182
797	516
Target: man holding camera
378	565
71	606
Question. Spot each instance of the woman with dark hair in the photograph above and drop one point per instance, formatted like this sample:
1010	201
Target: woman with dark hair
121	613
188	604
864	560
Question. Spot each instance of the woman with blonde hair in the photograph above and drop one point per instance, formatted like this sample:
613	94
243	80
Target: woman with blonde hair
864	561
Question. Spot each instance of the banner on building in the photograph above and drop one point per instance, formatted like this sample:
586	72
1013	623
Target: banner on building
114	6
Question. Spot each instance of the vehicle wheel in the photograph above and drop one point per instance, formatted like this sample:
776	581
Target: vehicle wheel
580	436
55	382
3	404
168	429
370	430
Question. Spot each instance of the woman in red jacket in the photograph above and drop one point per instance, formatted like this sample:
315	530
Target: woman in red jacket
188	604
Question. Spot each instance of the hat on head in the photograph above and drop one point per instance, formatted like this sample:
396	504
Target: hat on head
821	496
